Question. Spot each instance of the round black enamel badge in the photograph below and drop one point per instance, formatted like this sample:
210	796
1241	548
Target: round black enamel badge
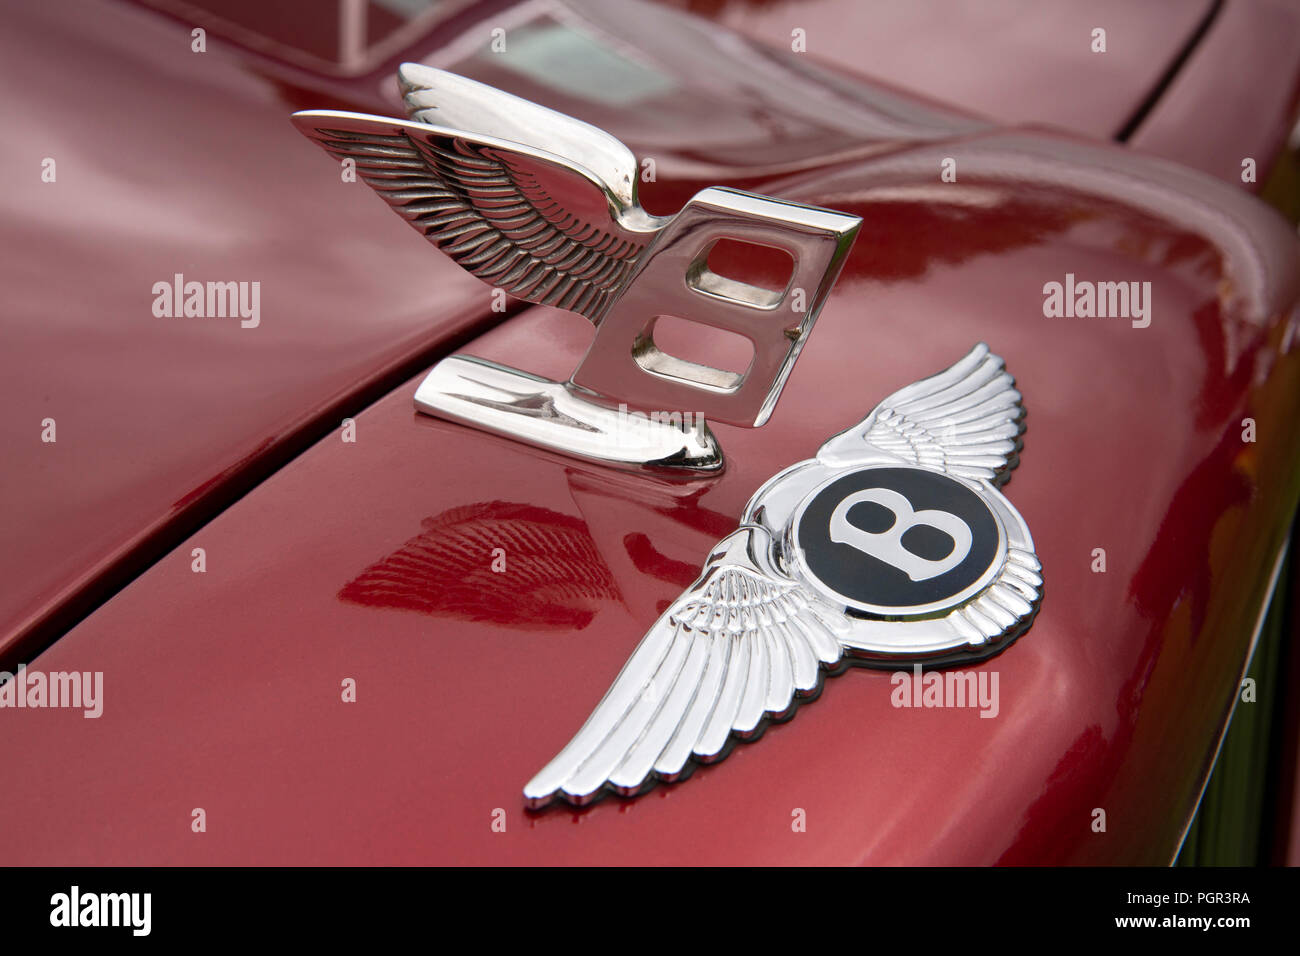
898	540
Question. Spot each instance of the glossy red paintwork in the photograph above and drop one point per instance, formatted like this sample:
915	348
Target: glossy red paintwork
1014	61
1216	111
367	561
171	162
706	105
1023	61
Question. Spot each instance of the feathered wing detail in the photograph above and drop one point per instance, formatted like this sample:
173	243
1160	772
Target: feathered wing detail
454	102
523	221
965	421
1007	606
737	647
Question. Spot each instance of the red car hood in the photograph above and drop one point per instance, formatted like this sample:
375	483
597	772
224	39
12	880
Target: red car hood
1014	61
170	162
370	561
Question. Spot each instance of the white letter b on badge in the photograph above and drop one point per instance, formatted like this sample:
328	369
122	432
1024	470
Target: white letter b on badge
887	545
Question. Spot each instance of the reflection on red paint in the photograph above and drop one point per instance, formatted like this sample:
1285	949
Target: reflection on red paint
512	564
649	560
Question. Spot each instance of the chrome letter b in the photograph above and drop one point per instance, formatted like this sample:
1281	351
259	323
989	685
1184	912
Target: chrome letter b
887	545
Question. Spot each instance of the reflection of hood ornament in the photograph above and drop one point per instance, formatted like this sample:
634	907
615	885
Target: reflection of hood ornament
892	545
544	207
557	578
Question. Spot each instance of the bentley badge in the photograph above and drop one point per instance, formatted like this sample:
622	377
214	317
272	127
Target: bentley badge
892	545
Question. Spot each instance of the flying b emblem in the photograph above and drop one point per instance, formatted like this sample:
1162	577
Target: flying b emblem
893	545
545	207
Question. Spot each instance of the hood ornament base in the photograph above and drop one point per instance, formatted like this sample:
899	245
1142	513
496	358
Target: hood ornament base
554	416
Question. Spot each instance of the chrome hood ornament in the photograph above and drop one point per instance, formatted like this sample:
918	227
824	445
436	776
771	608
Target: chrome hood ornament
818	576
544	207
